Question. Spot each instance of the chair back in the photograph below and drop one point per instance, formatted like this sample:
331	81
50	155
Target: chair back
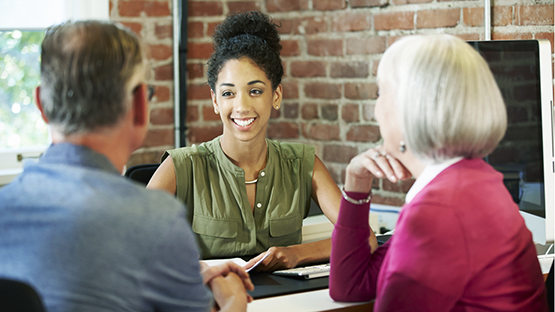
18	296
141	173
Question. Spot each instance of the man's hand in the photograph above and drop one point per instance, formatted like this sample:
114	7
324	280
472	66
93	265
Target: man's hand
229	283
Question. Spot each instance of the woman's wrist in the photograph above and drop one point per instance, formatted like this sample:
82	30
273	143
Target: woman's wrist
357	198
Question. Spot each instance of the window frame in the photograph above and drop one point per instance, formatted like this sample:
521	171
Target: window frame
16	16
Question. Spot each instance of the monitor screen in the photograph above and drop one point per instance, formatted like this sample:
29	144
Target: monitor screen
525	154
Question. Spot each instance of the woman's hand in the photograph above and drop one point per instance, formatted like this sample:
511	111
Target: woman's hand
373	163
278	258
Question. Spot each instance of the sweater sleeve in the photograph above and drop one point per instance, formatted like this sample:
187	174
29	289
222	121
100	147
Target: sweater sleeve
354	268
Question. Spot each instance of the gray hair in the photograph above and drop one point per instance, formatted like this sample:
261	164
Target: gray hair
85	68
449	103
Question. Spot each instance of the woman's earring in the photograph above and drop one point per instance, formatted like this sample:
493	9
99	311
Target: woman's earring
216	111
402	147
276	107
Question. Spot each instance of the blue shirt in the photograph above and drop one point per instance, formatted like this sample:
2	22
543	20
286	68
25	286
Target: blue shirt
89	240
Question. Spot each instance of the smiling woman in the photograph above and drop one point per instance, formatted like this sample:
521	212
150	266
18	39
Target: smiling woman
247	194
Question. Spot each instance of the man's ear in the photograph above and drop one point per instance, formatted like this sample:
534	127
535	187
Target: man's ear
140	107
39	104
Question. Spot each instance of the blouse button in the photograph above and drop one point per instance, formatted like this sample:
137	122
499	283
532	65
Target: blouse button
259	205
263	173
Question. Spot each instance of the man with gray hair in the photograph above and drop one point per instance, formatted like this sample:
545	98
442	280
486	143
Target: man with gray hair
83	236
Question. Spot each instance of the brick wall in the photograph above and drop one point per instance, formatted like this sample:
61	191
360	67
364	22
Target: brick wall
331	49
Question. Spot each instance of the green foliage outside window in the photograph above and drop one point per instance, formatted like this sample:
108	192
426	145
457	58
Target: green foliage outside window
20	121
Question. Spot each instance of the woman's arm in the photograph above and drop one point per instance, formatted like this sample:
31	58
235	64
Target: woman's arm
164	177
325	191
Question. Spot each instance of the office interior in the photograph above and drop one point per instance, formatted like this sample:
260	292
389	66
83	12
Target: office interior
331	49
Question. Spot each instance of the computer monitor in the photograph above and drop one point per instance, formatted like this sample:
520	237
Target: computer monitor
526	156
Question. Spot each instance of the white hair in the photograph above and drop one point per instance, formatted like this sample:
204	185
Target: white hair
448	101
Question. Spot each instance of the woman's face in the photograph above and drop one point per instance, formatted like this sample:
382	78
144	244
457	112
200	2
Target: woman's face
244	99
386	114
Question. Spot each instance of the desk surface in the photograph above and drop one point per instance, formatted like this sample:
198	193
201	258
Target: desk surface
312	301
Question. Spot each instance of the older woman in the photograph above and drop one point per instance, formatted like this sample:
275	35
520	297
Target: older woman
460	243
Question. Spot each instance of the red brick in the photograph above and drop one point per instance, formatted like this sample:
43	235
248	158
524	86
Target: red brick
135	27
368	112
160	51
164	72
305	25
284	5
324	132
339	153
330	112
473	16
142	157
198	92
387	200
283	130
308	69
468	37
199	50
158	137
320	90
361	91
290	90
192	113
375	68
392	39
161	116
208	113
399	187
328	5
290	110
195	71
364	133
163	31
195	29
534	14
512	36
438	18
367	3
110	7
243	6
211	28
365	46
205	8
351	22
162	94
502	15
325	47
349	70
309	111
394	20
350	113
290	48
199	134
150	8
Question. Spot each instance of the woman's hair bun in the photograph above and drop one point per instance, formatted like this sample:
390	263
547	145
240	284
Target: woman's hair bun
249	23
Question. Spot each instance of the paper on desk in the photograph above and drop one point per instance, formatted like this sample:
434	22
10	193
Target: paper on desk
214	262
258	262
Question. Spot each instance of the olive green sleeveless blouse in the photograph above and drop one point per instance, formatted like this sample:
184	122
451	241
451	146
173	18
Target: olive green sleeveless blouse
213	188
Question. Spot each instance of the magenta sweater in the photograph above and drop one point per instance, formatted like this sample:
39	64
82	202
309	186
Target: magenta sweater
459	245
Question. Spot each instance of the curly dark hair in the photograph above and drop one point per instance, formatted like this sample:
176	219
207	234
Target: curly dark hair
249	34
